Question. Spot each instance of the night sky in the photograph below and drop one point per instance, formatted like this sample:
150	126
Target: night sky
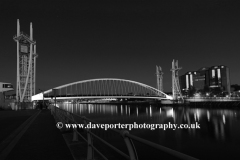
121	39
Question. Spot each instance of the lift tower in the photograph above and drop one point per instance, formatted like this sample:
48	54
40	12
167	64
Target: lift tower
26	65
176	91
159	74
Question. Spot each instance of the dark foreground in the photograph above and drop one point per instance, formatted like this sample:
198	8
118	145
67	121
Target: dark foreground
31	134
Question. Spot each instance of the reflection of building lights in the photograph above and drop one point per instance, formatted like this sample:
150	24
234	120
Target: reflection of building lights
160	110
197	95
121	110
150	111
208	115
197	115
137	111
224	121
170	113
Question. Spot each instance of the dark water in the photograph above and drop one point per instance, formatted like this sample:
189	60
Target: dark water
217	138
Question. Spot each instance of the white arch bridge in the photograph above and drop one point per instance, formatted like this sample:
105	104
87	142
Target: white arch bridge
103	88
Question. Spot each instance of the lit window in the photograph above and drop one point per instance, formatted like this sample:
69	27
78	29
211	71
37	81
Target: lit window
213	73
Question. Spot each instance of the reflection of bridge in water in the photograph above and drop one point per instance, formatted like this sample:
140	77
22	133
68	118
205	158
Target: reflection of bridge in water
103	88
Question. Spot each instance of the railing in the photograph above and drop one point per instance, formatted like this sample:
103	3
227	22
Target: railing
67	117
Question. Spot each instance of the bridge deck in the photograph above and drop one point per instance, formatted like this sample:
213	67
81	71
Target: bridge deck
40	140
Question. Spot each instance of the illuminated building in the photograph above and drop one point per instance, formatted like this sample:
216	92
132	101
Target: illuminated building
211	77
4	87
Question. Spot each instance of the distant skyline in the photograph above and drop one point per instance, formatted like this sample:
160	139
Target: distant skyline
81	40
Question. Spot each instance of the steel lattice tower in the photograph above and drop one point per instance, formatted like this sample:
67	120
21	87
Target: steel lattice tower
159	74
26	65
176	91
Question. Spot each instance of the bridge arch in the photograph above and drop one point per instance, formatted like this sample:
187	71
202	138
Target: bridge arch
107	87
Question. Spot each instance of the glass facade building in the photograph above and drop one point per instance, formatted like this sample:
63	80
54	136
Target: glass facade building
211	77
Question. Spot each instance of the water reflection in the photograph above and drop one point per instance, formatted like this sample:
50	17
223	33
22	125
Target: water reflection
217	125
212	121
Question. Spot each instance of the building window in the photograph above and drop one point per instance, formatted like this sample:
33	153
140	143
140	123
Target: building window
219	73
187	83
213	73
7	86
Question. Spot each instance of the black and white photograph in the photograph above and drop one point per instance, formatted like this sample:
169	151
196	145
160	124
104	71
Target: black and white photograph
119	79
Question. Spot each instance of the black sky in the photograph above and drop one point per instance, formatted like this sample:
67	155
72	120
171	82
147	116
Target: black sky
79	40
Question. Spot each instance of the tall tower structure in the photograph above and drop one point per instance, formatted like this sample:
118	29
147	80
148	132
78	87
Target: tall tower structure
159	74
176	91
26	65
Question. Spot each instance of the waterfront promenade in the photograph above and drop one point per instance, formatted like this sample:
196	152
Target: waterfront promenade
31	134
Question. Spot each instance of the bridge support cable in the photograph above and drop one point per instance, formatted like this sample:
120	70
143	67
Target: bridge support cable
134	89
91	89
83	89
110	88
76	90
107	87
117	87
130	88
124	91
99	88
120	89
94	89
66	91
124	88
104	90
79	89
